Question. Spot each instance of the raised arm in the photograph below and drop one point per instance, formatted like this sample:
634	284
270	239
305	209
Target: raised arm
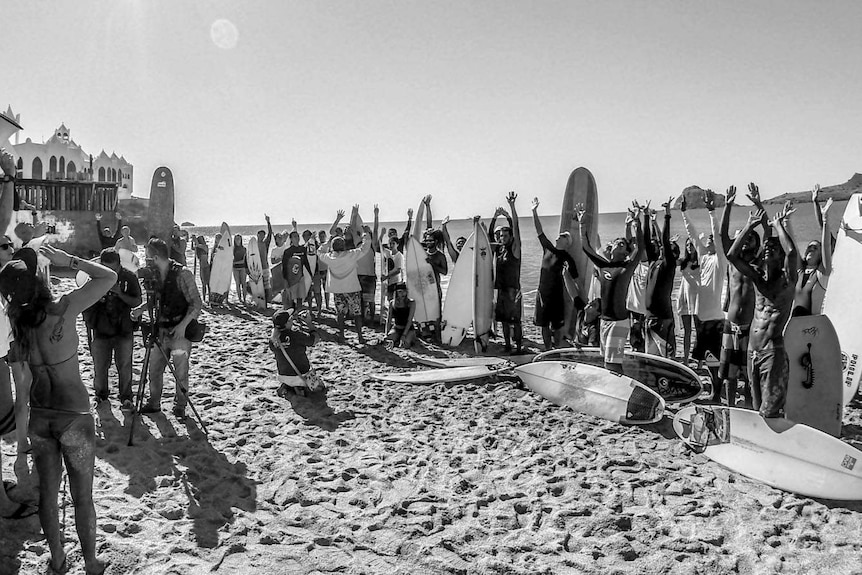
268	238
339	215
689	227
101	278
815	194
406	233
725	220
375	240
709	201
417	226
598	260
516	230
429	222
635	258
7	190
826	241
754	197
791	255
450	247
735	251
665	234
536	221
649	250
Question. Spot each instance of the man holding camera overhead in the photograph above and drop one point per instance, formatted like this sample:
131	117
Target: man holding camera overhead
175	303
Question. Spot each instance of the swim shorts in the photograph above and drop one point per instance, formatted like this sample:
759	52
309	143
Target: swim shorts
348	303
613	339
508	307
709	336
734	350
369	287
769	370
660	338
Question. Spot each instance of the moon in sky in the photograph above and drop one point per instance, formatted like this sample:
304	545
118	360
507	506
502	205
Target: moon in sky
224	34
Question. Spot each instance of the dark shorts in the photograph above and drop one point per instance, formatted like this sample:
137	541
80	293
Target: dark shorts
508	306
768	370
709	336
734	350
368	285
550	310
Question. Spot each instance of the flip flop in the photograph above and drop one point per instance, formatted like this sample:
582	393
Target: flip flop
22	512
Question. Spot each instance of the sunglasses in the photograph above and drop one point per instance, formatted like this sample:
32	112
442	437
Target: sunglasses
5	246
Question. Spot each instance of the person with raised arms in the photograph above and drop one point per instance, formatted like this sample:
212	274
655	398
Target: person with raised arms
615	274
686	300
264	240
61	425
662	254
453	249
508	308
740	305
107	238
551	293
713	267
294	267
774	280
813	277
366	272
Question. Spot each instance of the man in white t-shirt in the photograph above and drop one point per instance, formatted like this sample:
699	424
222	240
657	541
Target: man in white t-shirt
393	261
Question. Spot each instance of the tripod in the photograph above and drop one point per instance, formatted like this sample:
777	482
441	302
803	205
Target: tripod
150	334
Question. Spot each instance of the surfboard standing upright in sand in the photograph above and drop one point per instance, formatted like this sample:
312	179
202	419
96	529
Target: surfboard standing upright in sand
458	305
841	303
580	189
255	273
814	389
482	294
421	283
160	214
775	451
222	267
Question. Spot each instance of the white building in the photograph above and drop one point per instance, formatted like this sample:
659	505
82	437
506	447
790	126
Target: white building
61	158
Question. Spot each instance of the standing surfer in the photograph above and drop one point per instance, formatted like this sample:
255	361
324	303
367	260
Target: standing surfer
507	277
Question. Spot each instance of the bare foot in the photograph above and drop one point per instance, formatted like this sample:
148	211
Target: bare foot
95	567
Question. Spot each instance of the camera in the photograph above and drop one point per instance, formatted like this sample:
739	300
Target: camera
149	276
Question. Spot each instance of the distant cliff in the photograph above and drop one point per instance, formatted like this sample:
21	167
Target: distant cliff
694	199
837	192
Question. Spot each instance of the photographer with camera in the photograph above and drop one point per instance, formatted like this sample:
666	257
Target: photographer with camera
113	331
173	303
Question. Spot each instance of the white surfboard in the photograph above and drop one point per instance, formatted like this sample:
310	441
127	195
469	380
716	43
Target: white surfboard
311	256
461	361
446	374
776	451
814	390
841	302
593	390
458	305
483	288
255	273
421	283
222	266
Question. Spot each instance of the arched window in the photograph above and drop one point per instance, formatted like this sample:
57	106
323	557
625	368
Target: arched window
52	164
113	175
120	176
102	174
71	168
37	169
20	168
62	167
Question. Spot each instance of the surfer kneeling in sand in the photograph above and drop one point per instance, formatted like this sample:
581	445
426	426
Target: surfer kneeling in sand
399	320
61	425
615	274
290	338
774	284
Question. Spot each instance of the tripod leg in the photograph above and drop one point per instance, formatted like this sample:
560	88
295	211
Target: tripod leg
142	382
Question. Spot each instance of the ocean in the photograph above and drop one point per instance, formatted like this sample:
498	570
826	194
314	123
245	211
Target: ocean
803	226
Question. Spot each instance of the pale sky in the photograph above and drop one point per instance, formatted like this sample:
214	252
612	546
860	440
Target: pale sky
322	104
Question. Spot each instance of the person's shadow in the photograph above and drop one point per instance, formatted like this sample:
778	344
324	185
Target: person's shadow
212	485
315	410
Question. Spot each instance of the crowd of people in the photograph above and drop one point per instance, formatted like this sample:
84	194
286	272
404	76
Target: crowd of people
735	295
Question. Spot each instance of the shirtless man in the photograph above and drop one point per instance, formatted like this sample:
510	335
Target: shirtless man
740	304
615	274
813	278
774	279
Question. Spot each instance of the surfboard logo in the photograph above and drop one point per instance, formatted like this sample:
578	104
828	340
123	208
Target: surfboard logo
849	462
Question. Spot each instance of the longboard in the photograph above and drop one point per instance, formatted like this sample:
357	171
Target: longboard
222	266
160	214
255	273
483	288
776	451
580	189
421	283
673	381
814	392
458	305
841	303
593	390
442	375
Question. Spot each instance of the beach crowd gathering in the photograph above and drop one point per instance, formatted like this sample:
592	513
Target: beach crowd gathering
734	292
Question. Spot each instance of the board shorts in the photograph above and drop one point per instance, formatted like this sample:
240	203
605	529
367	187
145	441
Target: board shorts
550	311
267	278
369	288
614	334
660	337
508	308
295	292
768	370
348	303
709	336
734	350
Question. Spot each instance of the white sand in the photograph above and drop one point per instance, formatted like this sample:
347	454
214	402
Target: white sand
481	477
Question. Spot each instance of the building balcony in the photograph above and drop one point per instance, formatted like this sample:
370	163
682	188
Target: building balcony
71	176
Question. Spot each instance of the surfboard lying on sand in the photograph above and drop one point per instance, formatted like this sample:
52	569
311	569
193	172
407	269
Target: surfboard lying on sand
841	303
460	361
777	451
458	305
814	389
222	266
482	293
255	273
593	390
447	374
673	381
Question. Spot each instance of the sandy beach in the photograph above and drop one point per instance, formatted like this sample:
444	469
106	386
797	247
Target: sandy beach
371	477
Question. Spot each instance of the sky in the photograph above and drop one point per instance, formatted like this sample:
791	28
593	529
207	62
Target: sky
298	109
